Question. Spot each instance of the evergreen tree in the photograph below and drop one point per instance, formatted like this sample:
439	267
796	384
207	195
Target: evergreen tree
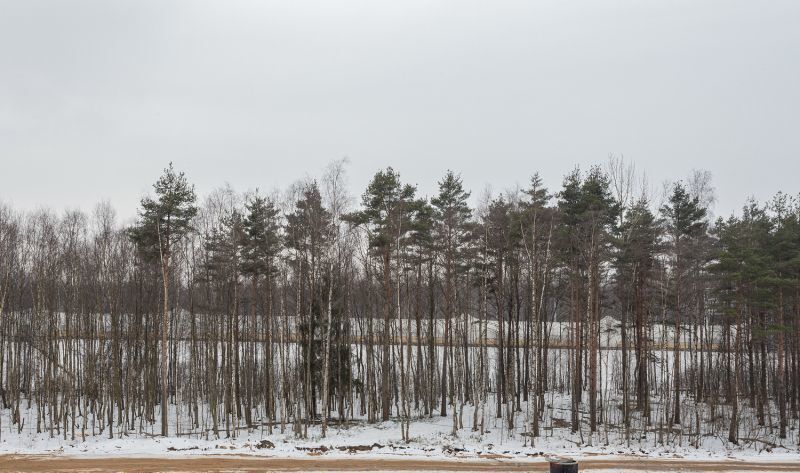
451	217
309	232
162	223
684	218
261	238
499	243
387	214
536	224
223	248
746	283
784	246
261	246
637	246
589	213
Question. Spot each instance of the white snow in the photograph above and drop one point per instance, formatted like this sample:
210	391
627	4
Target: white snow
431	439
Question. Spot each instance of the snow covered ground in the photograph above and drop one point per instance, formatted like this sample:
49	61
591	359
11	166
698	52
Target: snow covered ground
431	439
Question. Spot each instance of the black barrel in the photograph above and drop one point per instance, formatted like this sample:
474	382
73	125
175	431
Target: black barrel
563	465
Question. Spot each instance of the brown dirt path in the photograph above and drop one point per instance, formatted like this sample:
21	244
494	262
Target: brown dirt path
49	463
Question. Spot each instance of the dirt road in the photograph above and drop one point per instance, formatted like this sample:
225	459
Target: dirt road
42	463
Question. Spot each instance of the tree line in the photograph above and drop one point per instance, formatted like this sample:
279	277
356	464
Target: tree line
251	312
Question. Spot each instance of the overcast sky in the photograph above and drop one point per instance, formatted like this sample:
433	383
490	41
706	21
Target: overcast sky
96	97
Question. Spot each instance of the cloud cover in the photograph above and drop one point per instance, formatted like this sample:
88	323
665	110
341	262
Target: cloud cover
96	96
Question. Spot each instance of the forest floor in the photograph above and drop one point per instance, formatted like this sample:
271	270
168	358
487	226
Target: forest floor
361	446
226	463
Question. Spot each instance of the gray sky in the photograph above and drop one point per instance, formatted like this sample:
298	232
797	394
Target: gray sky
96	97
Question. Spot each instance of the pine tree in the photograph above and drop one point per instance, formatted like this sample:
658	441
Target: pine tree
784	246
637	245
685	222
309	233
162	223
223	264
536	222
388	209
497	230
747	282
450	222
589	213
261	246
